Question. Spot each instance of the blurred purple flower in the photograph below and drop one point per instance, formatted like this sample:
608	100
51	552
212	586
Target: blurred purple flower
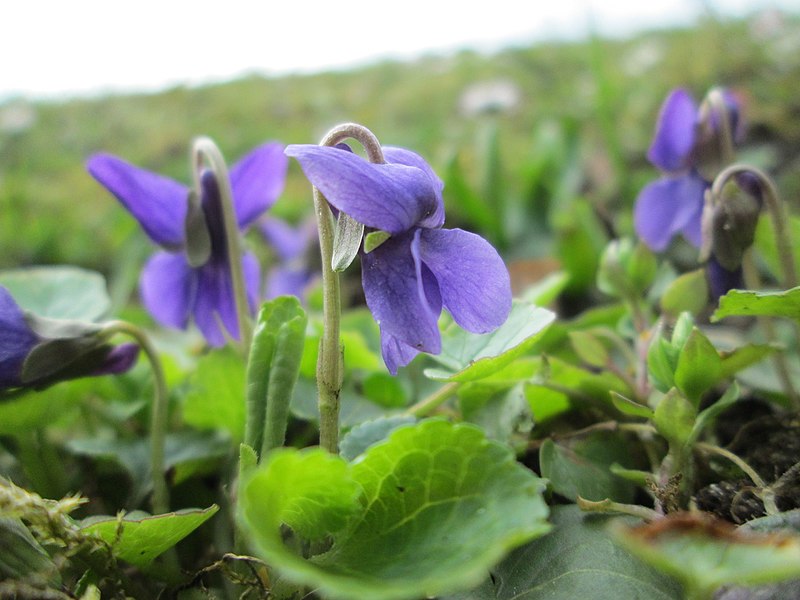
171	289
421	268
294	246
685	137
79	351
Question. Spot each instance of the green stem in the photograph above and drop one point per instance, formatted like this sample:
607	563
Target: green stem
609	506
329	362
159	414
205	151
746	469
427	405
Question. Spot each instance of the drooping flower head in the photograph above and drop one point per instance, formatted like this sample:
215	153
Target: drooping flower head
421	268
36	352
173	286
690	143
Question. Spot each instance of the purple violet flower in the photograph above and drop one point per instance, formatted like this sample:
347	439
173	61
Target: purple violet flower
295	270
79	351
171	289
673	204
421	268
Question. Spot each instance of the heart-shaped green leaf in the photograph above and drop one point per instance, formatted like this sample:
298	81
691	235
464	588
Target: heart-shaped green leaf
438	505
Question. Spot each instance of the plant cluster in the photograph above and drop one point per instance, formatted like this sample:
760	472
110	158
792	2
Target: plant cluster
435	426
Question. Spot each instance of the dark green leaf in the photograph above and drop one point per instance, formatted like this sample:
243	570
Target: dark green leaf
364	435
577	560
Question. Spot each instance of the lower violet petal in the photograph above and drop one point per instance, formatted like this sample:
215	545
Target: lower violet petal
397	296
395	353
167	287
666	207
473	279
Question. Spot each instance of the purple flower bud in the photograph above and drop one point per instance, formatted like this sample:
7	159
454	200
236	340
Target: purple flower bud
29	359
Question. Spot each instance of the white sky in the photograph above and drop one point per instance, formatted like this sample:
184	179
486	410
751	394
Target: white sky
77	47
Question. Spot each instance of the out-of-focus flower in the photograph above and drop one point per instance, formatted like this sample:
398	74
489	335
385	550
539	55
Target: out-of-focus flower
294	247
37	352
421	268
687	141
171	288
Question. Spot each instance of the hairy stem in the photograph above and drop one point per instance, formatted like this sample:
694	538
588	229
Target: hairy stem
159	413
329	363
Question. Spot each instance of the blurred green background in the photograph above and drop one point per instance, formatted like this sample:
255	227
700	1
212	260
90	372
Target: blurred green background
542	147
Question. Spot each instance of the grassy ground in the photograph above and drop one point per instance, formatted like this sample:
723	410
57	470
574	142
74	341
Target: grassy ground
597	98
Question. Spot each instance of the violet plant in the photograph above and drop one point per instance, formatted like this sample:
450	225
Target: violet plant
439	404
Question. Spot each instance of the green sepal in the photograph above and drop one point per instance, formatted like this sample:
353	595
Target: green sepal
198	238
346	242
374	239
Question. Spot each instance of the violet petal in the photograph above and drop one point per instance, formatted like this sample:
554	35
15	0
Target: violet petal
157	202
119	359
389	197
396	294
675	132
402	156
167	287
215	304
668	206
257	180
473	279
395	353
16	340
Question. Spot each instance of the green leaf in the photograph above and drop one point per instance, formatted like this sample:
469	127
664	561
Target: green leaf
23	558
439	505
470	356
662	358
384	389
743	357
139	540
500	411
687	293
589	348
272	370
699	366
215	396
709	415
364	435
185	452
706	555
582	468
629	407
58	292
764	304
577	560
675	417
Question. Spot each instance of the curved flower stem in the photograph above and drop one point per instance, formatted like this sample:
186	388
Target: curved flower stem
746	469
158	419
427	405
777	213
205	151
329	362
